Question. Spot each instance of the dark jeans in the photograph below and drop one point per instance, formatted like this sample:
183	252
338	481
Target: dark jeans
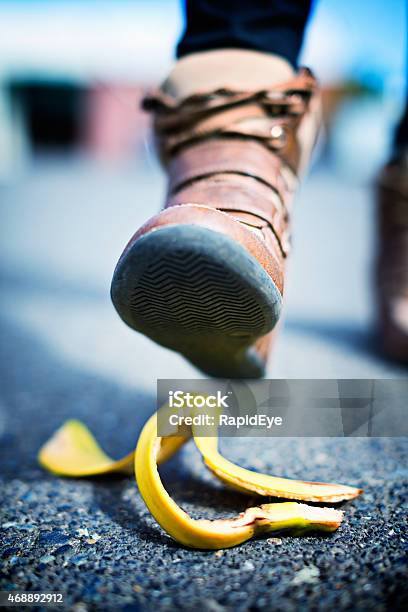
272	26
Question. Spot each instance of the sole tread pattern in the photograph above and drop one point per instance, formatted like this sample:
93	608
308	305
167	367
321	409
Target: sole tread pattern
198	292
194	298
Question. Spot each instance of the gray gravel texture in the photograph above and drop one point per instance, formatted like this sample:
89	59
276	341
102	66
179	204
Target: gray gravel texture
64	354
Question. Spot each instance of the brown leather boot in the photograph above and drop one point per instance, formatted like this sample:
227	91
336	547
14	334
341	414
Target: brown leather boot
392	259
205	276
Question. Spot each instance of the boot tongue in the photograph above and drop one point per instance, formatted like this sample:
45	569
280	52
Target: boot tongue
235	69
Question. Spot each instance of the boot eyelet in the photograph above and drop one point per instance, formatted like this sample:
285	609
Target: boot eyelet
278	135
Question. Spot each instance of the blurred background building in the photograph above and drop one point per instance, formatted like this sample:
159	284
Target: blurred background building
72	73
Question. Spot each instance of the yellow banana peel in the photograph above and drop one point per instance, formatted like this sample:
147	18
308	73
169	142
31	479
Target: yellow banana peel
72	451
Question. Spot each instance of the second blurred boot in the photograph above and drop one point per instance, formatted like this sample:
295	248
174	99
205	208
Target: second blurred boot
392	258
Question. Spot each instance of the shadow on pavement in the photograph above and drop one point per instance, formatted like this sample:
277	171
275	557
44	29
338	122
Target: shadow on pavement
49	284
351	337
39	391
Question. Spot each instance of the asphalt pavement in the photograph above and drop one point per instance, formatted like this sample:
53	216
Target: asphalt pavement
64	353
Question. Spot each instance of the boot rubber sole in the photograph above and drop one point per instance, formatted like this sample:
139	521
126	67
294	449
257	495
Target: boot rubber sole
200	293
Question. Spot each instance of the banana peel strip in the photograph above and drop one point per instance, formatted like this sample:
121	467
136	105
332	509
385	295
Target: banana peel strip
72	451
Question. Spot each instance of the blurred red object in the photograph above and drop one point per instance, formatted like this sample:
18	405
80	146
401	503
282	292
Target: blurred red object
115	127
